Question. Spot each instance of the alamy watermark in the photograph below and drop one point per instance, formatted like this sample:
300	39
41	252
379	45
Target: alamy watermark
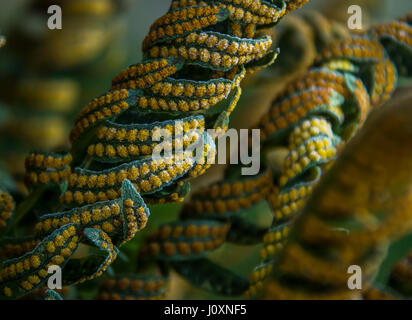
242	146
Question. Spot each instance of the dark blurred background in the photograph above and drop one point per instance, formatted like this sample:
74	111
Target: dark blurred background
132	24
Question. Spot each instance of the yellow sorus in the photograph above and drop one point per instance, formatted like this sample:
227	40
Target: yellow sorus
155	181
50	247
191	231
304	161
265	253
314	156
81	181
271	249
110	151
96	215
72	245
12	270
145	185
121	176
26	264
143	135
39	160
153	165
297	168
144	169
102	196
26	285
106	212
112	194
59	241
85	217
286	210
38	227
115	209
254	277
19	267
90	197
65	234
44	178
128	203
78	197
56	223
75	219
34	279
122	151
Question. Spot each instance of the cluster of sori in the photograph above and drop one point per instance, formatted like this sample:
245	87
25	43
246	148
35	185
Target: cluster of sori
195	57
358	209
314	117
46	73
307	127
